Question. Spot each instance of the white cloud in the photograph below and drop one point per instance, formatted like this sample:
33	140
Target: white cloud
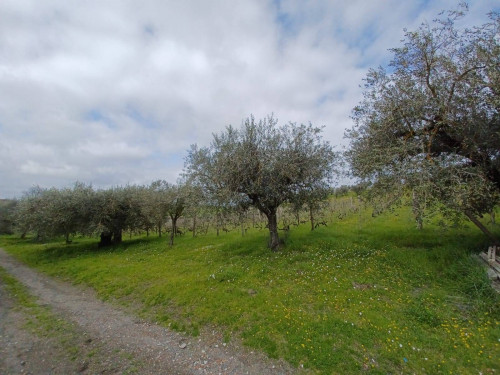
109	150
32	167
114	92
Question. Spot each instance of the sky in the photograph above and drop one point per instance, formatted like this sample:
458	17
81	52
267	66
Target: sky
114	92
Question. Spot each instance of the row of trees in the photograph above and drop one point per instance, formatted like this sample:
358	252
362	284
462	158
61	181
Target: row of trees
7	209
158	208
81	209
256	168
261	165
429	128
427	132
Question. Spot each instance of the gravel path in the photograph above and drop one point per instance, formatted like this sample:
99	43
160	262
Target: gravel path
157	349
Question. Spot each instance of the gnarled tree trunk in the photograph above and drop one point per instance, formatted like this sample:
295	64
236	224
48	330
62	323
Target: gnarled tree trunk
483	228
106	239
274	240
117	236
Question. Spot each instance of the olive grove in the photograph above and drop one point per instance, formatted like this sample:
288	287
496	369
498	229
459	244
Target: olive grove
430	124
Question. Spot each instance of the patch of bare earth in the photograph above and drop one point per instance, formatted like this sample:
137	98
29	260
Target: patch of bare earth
104	339
26	349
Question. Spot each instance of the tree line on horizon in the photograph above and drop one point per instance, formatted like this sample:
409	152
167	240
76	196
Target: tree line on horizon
156	208
428	126
260	165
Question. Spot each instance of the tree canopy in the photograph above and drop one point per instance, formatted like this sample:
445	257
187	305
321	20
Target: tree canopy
7	210
264	165
431	121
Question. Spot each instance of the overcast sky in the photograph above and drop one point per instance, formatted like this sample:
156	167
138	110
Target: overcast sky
115	92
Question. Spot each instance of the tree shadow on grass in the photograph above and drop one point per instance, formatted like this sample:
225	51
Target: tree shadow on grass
34	252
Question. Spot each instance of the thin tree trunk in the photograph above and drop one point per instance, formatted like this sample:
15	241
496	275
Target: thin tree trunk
274	240
417	211
174	231
483	229
194	225
242	225
311	216
159	230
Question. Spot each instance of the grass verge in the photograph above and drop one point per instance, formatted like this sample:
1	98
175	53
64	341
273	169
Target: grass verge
66	341
362	295
39	319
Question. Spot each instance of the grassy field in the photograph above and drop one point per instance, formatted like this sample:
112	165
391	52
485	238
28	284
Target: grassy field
371	295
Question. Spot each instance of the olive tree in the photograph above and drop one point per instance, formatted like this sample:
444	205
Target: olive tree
31	213
68	210
264	164
168	201
194	200
313	200
7	209
430	124
147	208
54	212
115	210
175	198
156	205
203	172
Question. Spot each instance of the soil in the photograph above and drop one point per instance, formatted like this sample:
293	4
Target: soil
100	338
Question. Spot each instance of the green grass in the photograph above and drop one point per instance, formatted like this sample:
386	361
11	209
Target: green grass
364	294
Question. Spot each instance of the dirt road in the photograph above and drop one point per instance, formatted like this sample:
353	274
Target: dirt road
107	340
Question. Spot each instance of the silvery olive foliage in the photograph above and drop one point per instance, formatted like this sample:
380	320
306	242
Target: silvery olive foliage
429	125
53	212
7	209
48	213
263	165
115	210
